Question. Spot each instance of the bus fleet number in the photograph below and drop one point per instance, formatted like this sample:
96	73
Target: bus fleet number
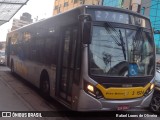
138	92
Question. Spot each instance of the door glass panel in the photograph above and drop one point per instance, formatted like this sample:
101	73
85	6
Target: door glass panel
66	48
72	60
68	53
65	60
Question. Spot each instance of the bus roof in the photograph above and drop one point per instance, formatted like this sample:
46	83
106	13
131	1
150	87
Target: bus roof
83	8
112	9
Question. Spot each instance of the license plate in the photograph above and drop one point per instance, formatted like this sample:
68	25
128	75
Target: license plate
123	107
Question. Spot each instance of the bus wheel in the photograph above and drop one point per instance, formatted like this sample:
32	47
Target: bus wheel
45	86
155	103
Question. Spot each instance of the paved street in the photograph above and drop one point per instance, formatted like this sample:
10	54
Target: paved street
12	101
19	95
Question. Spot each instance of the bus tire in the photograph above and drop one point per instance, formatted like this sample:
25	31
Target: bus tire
45	85
155	105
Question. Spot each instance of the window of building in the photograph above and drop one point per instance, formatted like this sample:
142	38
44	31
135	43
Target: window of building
65	4
81	1
75	1
59	9
56	7
139	8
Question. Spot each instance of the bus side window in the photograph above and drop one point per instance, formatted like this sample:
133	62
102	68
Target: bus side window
50	50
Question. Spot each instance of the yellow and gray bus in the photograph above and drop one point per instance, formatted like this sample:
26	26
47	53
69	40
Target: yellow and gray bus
91	58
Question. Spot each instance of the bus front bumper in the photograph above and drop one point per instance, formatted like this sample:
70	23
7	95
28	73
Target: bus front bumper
89	103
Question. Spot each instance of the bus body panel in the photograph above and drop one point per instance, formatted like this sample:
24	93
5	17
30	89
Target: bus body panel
88	103
31	72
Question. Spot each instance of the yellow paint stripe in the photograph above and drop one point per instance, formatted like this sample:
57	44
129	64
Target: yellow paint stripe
123	93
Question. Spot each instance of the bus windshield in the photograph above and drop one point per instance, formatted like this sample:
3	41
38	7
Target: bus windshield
116	51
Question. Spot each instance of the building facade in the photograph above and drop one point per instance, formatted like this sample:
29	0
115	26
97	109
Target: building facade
24	20
149	8
134	5
61	6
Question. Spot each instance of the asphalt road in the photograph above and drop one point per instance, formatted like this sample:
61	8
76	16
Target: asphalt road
19	95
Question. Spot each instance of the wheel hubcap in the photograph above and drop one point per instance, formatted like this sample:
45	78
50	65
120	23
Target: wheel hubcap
45	86
155	104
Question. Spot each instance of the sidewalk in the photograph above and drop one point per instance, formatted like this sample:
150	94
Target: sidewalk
15	96
9	100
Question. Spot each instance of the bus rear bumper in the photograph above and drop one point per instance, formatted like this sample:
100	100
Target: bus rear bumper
88	103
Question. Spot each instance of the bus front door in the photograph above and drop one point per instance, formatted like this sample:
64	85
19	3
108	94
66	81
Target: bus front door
66	63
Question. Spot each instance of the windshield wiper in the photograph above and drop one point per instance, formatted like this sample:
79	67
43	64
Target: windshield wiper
122	44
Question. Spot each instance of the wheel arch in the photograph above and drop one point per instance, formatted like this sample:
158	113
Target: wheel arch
44	73
43	77
11	62
12	67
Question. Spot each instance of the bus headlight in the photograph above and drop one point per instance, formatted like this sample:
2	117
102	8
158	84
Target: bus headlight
152	86
92	90
149	89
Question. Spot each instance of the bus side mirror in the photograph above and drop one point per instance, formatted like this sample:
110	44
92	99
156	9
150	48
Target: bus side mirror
86	32
86	28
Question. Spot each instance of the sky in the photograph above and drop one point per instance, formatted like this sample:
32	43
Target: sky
41	8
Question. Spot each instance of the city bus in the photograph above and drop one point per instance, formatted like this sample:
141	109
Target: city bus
91	58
